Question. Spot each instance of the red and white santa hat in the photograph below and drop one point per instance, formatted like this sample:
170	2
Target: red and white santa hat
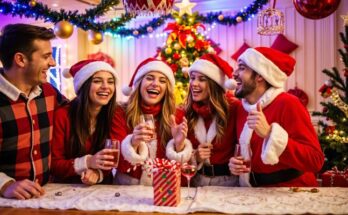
148	65
216	69
274	66
83	70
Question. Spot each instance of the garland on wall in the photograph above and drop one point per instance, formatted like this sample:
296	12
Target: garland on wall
86	21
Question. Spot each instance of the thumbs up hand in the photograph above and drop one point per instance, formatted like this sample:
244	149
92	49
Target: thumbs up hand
258	122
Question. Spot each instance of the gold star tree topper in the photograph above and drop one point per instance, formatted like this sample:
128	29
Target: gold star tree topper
185	7
345	19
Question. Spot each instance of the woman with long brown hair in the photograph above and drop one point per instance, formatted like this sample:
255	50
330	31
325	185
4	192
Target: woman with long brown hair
151	93
211	116
81	128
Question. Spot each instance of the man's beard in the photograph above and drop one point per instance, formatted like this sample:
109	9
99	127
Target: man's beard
247	88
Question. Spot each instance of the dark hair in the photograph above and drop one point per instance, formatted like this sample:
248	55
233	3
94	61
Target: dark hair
20	38
80	122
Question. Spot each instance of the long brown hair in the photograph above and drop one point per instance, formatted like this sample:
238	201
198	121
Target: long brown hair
133	111
80	118
218	105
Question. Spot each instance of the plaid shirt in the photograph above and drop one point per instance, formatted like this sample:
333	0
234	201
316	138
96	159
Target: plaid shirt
26	131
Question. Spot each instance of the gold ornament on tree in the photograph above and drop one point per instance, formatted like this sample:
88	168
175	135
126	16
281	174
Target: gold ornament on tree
335	96
63	29
168	50
32	3
95	37
177	46
221	17
239	19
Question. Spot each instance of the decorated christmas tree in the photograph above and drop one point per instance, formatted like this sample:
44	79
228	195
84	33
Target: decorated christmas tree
333	134
183	46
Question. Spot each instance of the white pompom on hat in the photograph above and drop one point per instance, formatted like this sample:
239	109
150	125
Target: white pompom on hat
148	65
215	68
83	70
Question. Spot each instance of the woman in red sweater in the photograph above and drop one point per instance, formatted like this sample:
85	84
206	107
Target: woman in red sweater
151	92
81	128
211	116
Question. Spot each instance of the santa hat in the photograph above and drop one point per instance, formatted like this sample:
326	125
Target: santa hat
274	66
84	69
216	69
148	65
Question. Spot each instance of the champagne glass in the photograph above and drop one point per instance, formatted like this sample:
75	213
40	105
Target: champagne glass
246	158
149	120
188	170
113	144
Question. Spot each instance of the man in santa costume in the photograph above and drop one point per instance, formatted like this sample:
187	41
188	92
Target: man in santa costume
272	124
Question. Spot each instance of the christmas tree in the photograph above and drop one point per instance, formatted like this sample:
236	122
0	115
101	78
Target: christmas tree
333	135
183	46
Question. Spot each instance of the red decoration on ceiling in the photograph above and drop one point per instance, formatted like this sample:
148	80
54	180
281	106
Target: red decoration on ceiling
102	57
283	44
300	94
148	7
316	9
240	51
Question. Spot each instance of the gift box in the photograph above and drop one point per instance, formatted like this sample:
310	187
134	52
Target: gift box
166	183
335	178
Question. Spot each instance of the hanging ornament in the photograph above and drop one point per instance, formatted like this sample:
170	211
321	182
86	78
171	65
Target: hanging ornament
300	94
135	32
316	9
177	46
169	60
168	50
32	3
95	37
326	89
270	21
148	7
63	29
184	62
176	56
191	45
149	29
239	19
335	96
185	7
221	17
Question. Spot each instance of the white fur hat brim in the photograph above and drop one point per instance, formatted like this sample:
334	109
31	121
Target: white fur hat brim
89	70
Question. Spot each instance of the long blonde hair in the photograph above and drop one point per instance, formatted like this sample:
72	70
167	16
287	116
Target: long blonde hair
218	105
133	111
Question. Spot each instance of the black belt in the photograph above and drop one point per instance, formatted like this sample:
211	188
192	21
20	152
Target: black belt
215	170
262	179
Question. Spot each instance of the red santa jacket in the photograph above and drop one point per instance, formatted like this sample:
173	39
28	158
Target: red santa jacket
293	143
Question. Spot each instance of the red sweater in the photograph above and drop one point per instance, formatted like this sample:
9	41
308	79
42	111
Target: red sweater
62	168
222	151
303	150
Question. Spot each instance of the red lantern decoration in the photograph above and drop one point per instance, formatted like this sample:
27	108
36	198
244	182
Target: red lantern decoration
148	7
316	9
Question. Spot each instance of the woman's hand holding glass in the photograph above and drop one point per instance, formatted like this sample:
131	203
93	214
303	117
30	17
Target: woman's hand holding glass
240	164
101	160
144	131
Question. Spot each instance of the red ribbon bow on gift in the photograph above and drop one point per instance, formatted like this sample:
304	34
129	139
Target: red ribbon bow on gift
164	164
181	32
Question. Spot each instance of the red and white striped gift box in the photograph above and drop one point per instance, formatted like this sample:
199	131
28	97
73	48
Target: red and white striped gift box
166	186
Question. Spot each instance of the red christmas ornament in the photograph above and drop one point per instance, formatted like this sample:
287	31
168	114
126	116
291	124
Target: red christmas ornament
325	109
300	94
330	129
325	90
148	7
316	9
174	67
176	56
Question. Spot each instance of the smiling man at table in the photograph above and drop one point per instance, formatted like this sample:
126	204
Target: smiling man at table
273	124
27	105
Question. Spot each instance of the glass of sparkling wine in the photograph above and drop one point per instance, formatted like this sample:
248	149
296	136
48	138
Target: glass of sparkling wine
113	144
246	158
188	170
150	121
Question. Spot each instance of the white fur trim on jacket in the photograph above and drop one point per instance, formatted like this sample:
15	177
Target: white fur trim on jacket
80	164
245	136
130	154
4	179
182	156
275	145
203	136
264	67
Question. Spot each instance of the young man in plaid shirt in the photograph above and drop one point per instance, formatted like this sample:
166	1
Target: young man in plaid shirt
27	104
